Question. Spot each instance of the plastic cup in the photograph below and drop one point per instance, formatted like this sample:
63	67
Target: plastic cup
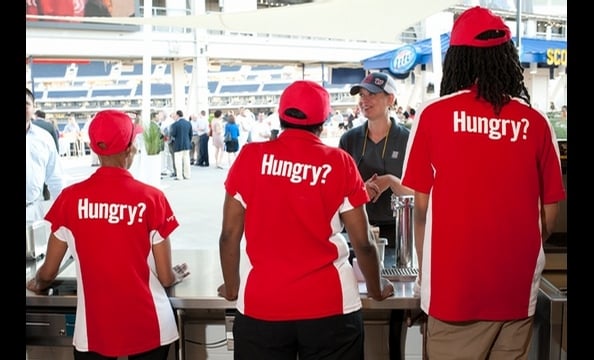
381	244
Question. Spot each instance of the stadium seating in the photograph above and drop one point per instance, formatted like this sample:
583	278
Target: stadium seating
86	87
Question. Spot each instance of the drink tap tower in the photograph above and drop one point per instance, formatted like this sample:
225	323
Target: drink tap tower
402	208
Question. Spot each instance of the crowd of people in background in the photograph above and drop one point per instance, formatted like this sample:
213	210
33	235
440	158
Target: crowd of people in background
208	131
339	122
225	133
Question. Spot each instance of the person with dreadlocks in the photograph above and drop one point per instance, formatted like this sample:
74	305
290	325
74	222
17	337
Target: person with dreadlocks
486	172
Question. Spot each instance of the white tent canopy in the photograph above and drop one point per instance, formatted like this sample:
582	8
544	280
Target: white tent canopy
367	20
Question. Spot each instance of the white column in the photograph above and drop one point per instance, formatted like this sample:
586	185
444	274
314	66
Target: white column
537	85
531	28
146	64
178	86
176	7
198	92
435	26
416	90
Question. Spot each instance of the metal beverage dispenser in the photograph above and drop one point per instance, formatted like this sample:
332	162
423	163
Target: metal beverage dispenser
402	208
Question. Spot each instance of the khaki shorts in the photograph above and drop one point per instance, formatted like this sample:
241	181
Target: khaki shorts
478	340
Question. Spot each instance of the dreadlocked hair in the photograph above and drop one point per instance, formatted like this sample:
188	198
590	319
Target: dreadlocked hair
496	71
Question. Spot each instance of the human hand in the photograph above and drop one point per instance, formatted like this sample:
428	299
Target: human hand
373	188
31	284
222	292
383	183
387	289
36	286
180	271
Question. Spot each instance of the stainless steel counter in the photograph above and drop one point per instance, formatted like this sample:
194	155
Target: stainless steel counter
194	299
199	289
549	341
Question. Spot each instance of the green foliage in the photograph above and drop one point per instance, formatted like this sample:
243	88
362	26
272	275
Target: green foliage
559	124
153	141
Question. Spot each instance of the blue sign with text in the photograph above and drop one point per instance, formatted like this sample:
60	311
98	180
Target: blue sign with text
404	60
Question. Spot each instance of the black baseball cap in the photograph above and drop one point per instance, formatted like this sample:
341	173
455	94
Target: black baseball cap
376	82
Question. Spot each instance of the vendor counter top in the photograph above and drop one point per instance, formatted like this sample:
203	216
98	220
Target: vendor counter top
199	289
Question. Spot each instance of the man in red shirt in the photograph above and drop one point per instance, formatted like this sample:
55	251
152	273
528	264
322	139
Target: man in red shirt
486	172
117	229
298	296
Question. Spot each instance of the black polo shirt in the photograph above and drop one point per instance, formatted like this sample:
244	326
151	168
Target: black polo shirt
385	157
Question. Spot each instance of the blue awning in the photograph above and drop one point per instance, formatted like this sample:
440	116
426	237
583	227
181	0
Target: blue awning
404	58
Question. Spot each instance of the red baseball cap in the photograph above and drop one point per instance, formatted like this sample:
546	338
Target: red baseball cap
474	22
307	97
110	132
